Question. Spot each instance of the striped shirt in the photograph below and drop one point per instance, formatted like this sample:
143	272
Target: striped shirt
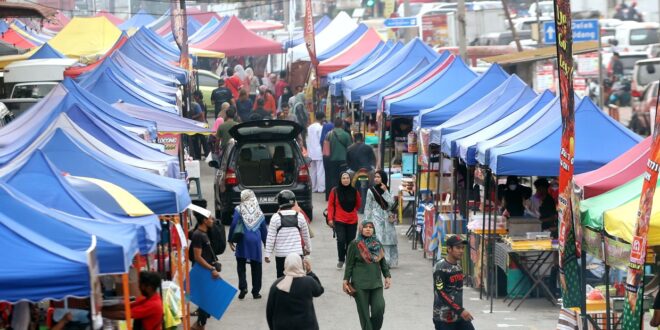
287	240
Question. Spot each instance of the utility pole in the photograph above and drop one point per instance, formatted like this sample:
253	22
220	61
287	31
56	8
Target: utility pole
462	44
409	32
514	34
538	23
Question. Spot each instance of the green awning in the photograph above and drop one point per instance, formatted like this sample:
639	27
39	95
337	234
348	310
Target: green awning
592	209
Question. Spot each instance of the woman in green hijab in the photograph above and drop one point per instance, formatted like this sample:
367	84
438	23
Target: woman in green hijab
365	263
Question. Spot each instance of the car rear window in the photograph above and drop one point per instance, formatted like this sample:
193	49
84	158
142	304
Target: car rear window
629	61
266	164
644	76
643	36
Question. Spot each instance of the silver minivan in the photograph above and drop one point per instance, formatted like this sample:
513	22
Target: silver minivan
644	73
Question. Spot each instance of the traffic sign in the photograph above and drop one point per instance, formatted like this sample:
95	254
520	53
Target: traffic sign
583	30
400	22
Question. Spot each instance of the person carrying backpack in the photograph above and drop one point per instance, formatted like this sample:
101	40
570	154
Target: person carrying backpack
287	233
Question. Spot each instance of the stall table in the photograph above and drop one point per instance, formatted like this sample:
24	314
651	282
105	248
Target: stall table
534	262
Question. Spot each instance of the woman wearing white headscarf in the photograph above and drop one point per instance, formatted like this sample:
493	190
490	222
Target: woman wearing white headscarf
253	82
240	72
290	301
248	248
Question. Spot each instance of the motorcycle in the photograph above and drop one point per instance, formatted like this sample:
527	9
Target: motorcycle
620	95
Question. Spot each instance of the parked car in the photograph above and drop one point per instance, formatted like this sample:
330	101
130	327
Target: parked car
644	73
208	81
18	105
545	8
35	90
263	156
502	38
635	37
643	117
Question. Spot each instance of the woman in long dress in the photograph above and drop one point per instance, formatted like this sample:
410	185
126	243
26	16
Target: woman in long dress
378	210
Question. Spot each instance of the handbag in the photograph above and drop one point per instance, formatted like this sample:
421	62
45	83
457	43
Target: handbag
239	232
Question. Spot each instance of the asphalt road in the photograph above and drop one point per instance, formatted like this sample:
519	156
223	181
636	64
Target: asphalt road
408	302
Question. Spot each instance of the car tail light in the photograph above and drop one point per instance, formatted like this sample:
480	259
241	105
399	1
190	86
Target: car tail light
230	177
303	174
635	93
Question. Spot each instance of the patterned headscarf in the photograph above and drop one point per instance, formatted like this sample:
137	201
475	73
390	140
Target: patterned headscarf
371	250
250	210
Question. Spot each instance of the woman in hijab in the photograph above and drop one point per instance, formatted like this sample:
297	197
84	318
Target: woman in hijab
248	248
378	209
253	82
365	263
240	73
343	205
290	301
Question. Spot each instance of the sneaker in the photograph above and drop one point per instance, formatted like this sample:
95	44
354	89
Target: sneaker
242	295
340	265
256	296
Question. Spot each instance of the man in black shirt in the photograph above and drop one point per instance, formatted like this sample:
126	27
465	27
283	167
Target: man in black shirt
359	155
221	95
448	310
513	196
204	256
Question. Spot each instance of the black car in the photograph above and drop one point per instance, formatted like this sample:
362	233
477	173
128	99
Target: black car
263	156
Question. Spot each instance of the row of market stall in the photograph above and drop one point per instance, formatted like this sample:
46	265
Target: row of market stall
494	123
85	183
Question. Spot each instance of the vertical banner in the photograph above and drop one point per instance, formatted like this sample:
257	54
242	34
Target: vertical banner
632	312
568	252
309	38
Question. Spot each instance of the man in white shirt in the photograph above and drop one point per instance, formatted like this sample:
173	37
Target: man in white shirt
287	233
315	152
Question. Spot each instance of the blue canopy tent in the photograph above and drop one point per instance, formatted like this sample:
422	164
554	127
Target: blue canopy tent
167	122
463	98
65	272
393	68
46	51
4	26
517	96
193	26
163	77
440	87
160	21
60	108
371	102
511	135
38	179
157	45
211	27
538	153
115	253
140	19
163	92
335	79
321	24
344	43
464	116
97	105
467	146
111	87
136	51
162	195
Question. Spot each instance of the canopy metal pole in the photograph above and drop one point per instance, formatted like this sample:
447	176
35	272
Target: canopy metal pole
608	312
127	301
490	245
454	197
482	243
382	144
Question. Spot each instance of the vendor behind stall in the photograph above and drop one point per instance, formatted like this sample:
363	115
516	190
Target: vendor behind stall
543	206
147	311
512	197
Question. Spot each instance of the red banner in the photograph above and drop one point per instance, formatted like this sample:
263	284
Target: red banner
309	33
632	315
569	248
171	142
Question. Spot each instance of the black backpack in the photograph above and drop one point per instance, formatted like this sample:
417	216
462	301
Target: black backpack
217	237
288	221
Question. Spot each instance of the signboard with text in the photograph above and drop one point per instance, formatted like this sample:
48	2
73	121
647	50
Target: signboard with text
583	30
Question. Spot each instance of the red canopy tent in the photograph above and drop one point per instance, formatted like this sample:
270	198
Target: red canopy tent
260	26
16	39
360	48
75	71
112	18
57	23
624	168
202	17
234	39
